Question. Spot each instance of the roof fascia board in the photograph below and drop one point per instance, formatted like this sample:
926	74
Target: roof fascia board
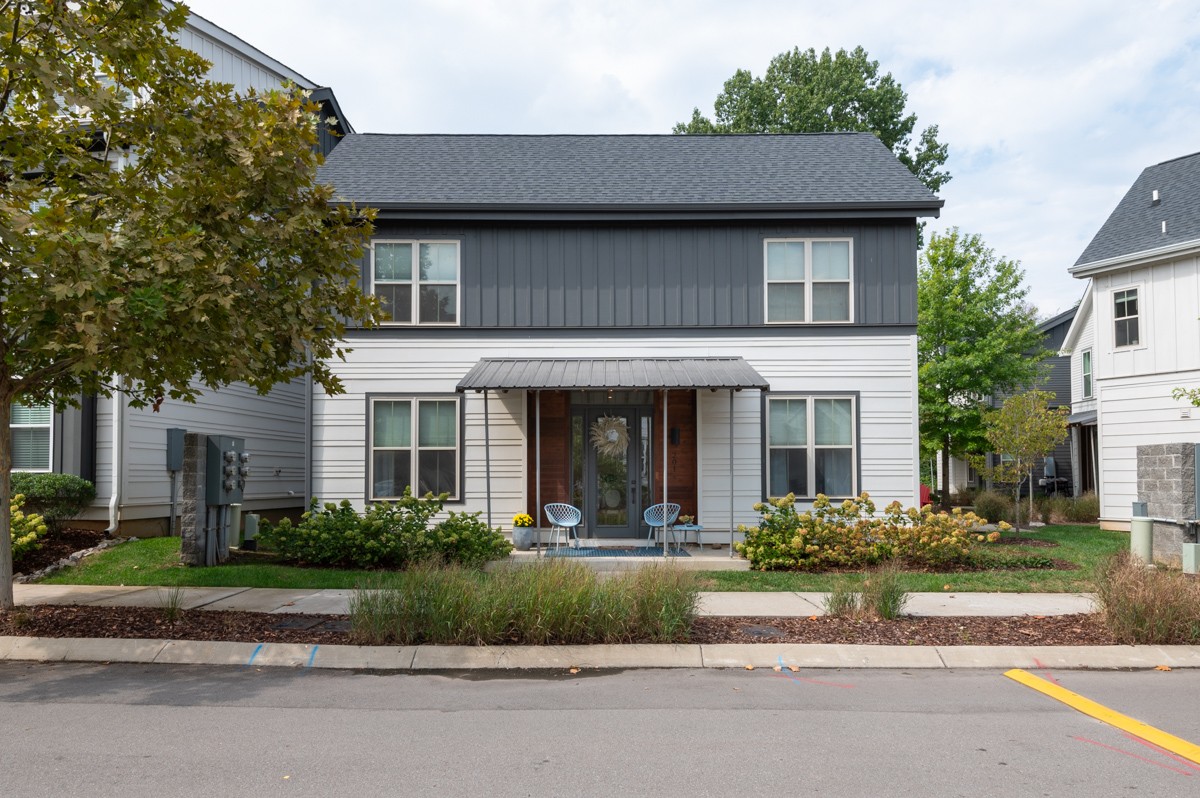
1083	315
1147	257
246	49
324	94
635	214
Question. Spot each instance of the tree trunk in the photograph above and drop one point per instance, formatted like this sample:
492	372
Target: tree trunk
1031	497
945	502
6	560
1017	508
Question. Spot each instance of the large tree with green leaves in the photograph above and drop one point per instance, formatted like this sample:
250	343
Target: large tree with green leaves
157	232
808	92
976	338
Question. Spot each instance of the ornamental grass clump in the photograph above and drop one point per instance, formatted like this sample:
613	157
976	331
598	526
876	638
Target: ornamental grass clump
880	596
1148	606
553	603
851	535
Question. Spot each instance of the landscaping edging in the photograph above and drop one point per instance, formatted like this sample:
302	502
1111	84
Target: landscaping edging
719	656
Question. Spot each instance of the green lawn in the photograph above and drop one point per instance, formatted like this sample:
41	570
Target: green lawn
1086	546
155	561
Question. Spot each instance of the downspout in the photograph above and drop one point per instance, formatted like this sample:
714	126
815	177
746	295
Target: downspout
665	467
118	444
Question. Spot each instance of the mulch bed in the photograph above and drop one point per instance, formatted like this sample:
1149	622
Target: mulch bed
59	545
253	627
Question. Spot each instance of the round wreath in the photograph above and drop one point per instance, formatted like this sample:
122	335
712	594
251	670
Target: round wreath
610	436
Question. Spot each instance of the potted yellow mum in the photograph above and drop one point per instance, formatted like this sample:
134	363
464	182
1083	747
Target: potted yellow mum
522	531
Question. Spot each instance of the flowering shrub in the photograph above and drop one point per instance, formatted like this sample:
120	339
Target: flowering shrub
388	535
27	529
850	534
522	519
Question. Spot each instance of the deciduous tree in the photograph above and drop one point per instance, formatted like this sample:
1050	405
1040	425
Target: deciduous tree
156	230
808	92
976	338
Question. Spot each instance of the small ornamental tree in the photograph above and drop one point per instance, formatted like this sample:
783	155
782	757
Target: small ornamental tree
1022	431
159	235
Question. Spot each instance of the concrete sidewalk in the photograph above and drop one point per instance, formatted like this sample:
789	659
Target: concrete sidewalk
337	602
456	658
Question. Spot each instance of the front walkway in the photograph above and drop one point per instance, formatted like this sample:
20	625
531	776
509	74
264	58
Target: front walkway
337	602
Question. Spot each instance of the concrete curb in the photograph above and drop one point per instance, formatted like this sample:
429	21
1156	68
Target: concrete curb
455	658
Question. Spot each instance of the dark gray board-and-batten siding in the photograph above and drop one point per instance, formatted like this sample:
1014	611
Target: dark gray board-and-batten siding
660	275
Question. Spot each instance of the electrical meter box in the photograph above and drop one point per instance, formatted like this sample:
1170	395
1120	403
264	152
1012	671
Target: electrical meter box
227	466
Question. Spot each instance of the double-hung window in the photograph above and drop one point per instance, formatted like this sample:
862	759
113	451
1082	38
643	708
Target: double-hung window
417	280
808	280
1125	317
1086	368
31	428
811	446
414	441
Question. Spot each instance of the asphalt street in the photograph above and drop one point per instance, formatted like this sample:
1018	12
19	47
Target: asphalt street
153	730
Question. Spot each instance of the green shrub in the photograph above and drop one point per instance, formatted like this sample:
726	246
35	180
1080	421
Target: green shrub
850	534
389	535
1083	509
1144	606
55	497
27	529
963	498
553	603
993	507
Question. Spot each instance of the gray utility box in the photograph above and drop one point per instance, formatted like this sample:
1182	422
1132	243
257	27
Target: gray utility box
227	466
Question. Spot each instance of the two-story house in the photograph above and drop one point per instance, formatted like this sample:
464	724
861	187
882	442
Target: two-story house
1137	334
123	449
611	320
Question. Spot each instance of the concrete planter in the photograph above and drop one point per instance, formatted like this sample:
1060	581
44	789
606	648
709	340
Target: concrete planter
522	538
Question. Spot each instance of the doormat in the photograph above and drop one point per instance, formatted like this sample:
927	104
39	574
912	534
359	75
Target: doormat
641	551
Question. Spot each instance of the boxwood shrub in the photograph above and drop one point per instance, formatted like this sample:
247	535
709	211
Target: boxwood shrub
850	534
55	497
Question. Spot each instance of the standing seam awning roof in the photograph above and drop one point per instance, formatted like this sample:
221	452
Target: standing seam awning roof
604	373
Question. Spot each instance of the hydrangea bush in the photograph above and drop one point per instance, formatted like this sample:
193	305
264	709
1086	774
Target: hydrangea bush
389	535
851	534
27	531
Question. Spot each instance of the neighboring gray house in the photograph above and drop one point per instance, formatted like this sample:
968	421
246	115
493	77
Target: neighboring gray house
1137	334
123	450
605	320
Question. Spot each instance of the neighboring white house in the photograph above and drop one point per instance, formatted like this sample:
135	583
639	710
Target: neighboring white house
1137	333
104	436
569	313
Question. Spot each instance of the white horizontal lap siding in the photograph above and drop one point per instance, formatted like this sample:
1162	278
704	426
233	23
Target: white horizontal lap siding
272	425
878	368
1139	411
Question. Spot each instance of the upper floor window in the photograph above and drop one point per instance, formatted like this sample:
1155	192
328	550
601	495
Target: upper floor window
417	280
808	280
1125	317
31	437
1086	368
811	446
414	441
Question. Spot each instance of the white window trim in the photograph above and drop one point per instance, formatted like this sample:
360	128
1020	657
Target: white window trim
416	282
811	442
808	280
415	447
1087	374
50	450
1141	316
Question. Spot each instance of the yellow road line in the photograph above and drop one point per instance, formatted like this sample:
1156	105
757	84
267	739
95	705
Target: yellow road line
1170	742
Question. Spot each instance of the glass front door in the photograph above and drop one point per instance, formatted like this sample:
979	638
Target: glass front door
612	450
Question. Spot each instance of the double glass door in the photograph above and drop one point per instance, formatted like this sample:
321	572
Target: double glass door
611	451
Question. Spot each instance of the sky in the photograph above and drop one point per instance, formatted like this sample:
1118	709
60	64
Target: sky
1050	108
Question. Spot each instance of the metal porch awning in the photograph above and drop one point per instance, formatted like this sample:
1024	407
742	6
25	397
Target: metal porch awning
1086	417
724	373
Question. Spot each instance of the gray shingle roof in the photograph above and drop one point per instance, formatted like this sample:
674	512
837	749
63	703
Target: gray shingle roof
578	373
1136	223
846	170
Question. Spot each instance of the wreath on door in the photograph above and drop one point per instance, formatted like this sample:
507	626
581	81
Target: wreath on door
610	436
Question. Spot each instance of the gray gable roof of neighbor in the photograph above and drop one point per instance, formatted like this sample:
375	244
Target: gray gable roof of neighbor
635	172
1136	223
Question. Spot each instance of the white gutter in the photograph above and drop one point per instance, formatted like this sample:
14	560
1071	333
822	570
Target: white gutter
1134	259
118	442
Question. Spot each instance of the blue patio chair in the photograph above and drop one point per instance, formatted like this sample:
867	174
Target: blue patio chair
661	516
564	519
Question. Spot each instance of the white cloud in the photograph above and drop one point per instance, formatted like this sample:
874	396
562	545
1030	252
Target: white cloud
1050	110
